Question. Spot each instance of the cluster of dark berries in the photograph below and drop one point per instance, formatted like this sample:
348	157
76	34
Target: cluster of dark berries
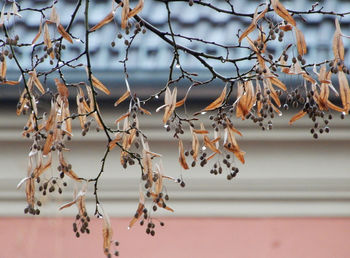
116	252
51	186
181	182
219	120
217	169
86	129
336	65
176	126
32	210
234	171
295	99
138	29
150	230
13	41
320	129
128	159
62	169
81	224
56	50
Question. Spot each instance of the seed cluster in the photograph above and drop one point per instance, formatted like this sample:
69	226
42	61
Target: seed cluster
320	118
81	224
115	251
150	229
56	50
51	185
138	28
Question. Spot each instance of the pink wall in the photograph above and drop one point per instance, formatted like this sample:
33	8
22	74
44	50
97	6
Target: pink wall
181	237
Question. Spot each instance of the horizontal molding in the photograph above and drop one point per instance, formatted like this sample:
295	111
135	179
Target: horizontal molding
205	197
254	193
11	131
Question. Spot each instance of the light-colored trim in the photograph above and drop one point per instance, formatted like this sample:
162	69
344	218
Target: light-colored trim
287	174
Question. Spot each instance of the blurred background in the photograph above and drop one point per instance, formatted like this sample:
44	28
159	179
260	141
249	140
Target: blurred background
290	199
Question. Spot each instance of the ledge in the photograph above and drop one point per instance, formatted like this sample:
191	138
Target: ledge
287	174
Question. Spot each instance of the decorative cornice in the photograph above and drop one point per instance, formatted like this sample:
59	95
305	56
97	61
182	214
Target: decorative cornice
315	181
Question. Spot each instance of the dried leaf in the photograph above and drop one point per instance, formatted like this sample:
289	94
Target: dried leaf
278	83
48	143
103	22
67	205
125	14
2	16
81	108
122	117
338	45
273	93
15	9
217	103
210	145
297	116
10	82
39	171
67	121
80	194
54	18
170	102
30	191
70	172
286	28
72	175
262	40
282	12
114	142
81	206
22	181
3	68
232	145
159	182
38	34
37	81
147	162
137	215
138	8
64	33
107	231
253	25
301	44
200	131
246	99
217	139
195	145
62	89
166	207
334	107
145	111
182	158
181	102
248	30
231	127
131	138
308	78
122	98
344	91
99	85
275	108
257	52
211	156
47	40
